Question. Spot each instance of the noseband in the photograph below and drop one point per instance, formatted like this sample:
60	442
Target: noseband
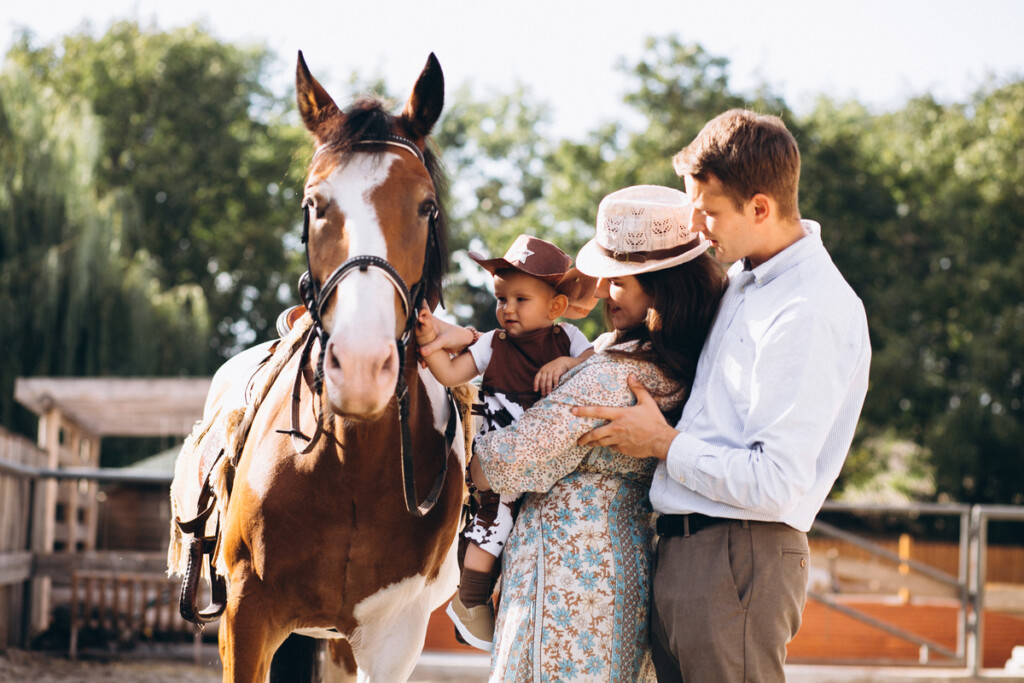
315	298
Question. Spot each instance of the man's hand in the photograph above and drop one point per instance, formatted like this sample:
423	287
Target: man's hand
638	431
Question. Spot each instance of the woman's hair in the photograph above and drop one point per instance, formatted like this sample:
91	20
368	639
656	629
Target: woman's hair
685	302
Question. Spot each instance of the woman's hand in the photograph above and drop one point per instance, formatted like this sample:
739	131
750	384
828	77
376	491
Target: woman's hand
639	431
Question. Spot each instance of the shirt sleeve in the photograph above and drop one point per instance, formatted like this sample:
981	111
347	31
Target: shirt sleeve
578	342
799	383
481	351
540	449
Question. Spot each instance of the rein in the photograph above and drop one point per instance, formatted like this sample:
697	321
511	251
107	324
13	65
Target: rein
315	298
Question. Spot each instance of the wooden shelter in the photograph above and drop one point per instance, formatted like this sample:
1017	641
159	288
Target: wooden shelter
74	415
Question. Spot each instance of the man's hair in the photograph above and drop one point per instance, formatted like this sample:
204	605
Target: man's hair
749	153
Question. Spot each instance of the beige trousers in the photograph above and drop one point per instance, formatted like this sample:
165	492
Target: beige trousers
727	599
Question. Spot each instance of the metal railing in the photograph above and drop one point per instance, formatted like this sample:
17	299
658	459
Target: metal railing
968	584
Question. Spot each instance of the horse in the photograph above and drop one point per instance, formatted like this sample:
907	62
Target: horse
326	445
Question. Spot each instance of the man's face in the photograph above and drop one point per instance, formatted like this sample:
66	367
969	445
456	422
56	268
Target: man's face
731	230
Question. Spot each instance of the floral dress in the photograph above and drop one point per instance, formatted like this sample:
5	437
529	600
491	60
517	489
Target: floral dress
575	590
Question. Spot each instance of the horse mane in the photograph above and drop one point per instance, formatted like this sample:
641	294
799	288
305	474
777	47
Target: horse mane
367	119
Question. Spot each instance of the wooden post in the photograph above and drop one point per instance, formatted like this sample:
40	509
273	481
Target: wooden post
904	568
44	518
72	498
92	454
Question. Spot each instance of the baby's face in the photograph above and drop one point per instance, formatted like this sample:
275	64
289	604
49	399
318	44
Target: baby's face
524	303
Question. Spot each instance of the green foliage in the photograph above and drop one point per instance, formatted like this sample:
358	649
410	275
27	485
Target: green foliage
204	155
923	209
148	198
72	303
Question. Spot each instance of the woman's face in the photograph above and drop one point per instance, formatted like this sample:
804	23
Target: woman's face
626	301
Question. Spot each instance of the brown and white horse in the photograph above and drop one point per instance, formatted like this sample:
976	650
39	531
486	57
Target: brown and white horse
316	537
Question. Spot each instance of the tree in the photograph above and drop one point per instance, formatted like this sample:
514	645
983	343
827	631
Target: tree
71	300
202	152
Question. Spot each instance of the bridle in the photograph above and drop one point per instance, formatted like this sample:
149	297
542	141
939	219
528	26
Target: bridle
315	298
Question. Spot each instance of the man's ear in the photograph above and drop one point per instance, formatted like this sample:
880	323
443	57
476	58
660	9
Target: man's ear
556	308
762	207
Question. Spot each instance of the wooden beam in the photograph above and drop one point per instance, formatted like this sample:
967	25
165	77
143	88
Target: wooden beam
59	566
119	406
15	568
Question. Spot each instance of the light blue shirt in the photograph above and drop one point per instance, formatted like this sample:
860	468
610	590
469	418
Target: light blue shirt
779	388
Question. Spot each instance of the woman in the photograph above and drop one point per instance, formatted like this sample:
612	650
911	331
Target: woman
576	570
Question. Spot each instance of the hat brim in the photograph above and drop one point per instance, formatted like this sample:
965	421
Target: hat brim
594	262
492	265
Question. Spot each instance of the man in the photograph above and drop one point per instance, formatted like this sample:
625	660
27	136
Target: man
779	388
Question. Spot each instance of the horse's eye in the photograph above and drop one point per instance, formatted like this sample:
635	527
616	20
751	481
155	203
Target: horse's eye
317	205
427	208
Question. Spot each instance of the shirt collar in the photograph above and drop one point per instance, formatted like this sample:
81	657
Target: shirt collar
792	255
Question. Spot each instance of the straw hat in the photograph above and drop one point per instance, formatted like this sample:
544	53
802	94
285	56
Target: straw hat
641	229
544	261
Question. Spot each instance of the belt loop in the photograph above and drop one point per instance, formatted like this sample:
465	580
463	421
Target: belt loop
686	526
746	524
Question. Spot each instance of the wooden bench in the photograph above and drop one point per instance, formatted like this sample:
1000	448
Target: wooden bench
128	607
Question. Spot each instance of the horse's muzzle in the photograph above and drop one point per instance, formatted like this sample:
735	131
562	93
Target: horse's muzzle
360	376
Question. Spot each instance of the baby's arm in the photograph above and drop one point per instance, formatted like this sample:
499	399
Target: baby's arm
549	374
449	371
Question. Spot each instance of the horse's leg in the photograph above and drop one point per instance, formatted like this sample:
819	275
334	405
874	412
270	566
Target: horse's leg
339	664
248	638
388	648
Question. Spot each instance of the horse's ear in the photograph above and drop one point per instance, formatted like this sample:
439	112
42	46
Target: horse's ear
427	100
315	105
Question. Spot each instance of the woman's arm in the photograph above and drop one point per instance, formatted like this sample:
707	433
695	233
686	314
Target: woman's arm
541	448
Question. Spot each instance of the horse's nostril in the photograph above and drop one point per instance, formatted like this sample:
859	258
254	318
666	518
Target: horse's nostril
389	363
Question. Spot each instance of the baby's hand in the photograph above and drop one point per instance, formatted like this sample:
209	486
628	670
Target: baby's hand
425	330
549	374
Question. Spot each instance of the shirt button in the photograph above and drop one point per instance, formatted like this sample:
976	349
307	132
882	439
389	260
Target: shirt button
803	563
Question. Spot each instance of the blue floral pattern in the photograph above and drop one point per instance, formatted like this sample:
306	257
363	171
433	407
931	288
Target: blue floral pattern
575	590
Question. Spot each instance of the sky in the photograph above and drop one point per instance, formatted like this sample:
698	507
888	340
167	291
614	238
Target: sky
567	52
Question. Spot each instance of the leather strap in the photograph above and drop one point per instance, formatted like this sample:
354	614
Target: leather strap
687	525
654	255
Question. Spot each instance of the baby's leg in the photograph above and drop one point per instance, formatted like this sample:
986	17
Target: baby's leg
491	527
470	609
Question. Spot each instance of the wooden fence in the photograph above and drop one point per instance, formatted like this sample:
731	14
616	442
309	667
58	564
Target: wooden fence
16	503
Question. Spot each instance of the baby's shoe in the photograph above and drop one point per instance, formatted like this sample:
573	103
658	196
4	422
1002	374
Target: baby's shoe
474	624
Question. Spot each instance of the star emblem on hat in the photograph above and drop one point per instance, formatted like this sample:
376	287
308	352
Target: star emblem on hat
520	256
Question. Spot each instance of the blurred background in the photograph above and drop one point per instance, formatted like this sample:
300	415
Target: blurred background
151	164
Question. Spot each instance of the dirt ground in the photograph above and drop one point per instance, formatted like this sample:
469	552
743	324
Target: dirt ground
39	667
20	666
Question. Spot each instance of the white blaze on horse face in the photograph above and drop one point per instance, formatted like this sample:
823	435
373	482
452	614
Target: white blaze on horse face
361	361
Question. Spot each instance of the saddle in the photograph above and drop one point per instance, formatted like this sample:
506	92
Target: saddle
223	436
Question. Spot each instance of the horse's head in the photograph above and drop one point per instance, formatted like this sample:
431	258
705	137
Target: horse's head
373	200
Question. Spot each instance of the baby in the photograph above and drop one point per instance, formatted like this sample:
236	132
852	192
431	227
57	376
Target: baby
533	286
